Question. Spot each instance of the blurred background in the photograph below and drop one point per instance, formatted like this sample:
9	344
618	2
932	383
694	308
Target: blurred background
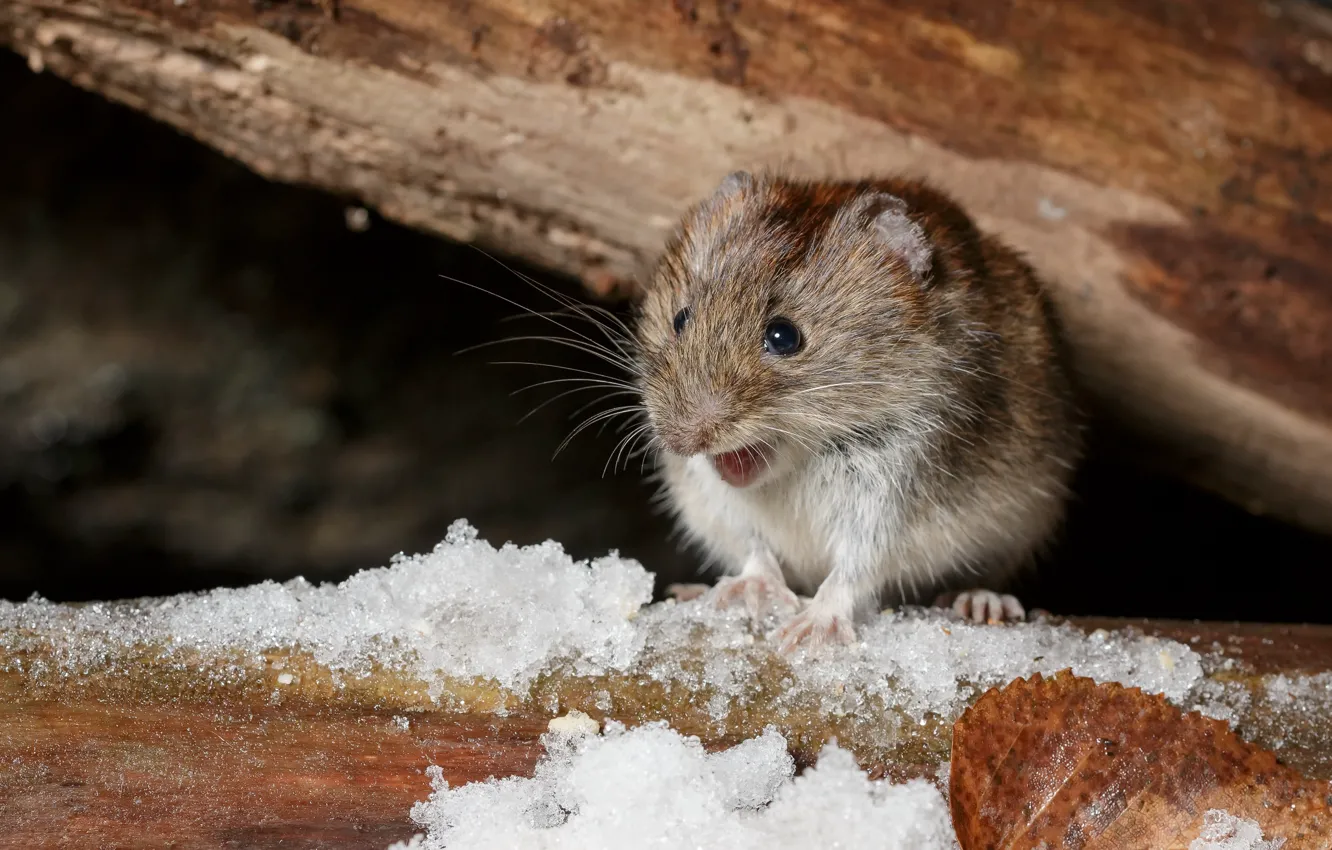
207	379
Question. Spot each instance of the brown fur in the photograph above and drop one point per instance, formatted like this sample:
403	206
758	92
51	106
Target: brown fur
954	376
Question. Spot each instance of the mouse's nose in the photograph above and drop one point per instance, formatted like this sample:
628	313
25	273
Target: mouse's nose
696	425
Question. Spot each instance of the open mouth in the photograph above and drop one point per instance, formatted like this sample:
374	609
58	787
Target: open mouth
740	467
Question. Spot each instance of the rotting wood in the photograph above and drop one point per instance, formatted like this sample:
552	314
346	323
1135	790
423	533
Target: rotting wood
214	753
1168	165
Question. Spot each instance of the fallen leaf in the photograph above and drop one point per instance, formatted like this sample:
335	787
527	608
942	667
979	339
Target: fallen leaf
1068	763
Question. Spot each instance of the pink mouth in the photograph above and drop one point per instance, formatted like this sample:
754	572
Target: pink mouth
740	467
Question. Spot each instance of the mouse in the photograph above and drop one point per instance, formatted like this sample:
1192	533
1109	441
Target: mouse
853	395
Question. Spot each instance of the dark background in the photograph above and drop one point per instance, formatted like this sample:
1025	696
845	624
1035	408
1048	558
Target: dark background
207	379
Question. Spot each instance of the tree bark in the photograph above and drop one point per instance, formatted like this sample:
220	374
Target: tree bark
145	750
1166	165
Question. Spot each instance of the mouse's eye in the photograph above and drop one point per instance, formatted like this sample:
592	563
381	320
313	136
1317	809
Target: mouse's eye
781	338
681	319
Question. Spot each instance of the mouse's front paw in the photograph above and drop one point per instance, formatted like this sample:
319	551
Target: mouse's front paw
761	593
983	606
813	628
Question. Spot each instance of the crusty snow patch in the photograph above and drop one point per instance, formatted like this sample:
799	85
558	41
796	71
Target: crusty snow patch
471	610
651	787
465	610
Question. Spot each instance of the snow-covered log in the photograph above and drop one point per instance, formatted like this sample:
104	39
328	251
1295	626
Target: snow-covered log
295	715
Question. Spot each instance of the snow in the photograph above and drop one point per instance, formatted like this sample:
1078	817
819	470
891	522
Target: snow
1223	831
652	787
1303	702
649	786
465	610
469	610
1311	692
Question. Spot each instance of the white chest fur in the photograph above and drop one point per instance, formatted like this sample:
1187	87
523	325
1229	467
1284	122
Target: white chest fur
801	515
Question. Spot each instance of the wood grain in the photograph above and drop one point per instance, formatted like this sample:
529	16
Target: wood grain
234	773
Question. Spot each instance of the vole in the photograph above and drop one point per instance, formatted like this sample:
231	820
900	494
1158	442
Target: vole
853	393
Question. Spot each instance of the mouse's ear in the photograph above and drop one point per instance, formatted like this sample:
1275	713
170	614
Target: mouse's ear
723	202
734	183
888	218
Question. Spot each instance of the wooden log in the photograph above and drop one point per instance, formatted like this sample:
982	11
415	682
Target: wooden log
1167	165
212	752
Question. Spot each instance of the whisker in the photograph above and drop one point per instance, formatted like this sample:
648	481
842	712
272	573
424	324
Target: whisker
593	348
605	383
617	335
619	447
644	452
644	429
520	306
592	420
560	298
613	456
561	395
549	291
600	399
558	366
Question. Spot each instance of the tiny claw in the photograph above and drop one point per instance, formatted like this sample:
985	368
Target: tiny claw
761	594
686	592
815	628
984	606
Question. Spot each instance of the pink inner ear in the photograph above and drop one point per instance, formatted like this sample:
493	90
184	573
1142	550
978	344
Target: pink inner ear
905	238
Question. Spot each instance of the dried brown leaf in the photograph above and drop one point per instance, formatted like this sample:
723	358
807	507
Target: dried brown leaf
1068	763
